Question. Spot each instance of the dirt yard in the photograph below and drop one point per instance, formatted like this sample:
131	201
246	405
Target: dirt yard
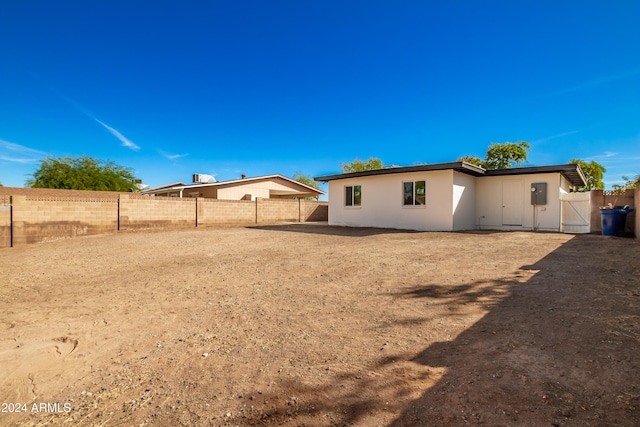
306	325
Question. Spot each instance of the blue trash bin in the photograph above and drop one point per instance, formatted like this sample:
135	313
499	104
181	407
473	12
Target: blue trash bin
613	220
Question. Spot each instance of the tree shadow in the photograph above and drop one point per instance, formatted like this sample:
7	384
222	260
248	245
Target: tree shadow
486	291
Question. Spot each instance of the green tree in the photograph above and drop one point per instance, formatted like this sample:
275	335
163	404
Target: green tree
628	183
593	173
82	173
358	165
506	155
501	156
306	180
632	182
474	160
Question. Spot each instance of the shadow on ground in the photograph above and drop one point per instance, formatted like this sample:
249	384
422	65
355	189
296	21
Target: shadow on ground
559	346
561	349
333	230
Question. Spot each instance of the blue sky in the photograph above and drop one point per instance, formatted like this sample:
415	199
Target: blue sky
172	88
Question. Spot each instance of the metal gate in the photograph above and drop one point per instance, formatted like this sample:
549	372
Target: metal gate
576	212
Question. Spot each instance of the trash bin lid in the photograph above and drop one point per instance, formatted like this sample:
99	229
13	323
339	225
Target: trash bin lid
617	211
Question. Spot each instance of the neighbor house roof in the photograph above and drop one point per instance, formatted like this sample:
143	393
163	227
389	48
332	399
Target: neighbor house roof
181	186
572	172
167	186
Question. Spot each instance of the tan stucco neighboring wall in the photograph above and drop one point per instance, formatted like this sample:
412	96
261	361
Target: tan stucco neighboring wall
263	189
208	192
489	202
238	192
382	202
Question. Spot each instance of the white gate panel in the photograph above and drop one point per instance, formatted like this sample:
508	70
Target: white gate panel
576	212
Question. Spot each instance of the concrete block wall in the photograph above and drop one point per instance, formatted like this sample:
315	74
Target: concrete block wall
271	211
222	212
36	216
5	221
142	212
311	211
39	219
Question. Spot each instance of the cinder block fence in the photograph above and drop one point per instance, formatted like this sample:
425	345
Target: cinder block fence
56	214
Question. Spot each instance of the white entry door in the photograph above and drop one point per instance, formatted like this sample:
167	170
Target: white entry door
512	203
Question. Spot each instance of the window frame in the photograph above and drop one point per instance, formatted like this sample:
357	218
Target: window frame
350	196
414	195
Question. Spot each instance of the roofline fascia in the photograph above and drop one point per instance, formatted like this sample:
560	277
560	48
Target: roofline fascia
463	167
563	169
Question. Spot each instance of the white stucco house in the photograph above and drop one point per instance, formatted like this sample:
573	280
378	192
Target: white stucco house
452	196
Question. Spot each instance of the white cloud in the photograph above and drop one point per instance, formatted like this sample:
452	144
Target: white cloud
600	81
608	156
16	153
172	156
125	142
559	135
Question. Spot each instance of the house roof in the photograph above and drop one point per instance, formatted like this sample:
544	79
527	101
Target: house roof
181	186
167	186
463	167
571	171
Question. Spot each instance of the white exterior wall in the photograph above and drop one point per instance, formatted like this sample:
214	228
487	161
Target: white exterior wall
464	201
565	185
489	202
382	202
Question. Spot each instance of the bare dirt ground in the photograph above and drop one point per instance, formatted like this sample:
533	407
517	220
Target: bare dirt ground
303	325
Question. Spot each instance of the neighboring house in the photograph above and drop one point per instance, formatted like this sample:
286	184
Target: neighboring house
267	187
452	196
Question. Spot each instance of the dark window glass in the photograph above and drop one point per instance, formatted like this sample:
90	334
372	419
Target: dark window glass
349	196
420	193
357	195
408	193
414	193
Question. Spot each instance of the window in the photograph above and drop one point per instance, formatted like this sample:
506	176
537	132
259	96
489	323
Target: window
414	193
353	195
